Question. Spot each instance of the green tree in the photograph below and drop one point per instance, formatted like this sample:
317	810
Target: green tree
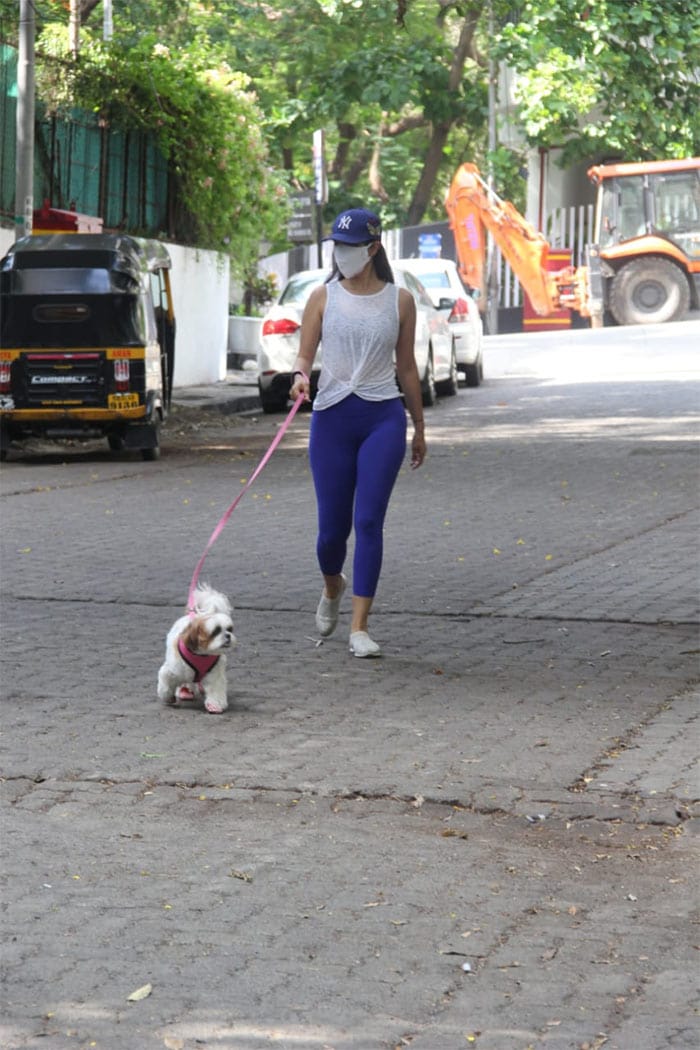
204	115
399	86
400	90
615	77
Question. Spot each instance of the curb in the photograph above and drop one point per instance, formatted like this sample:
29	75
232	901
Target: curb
225	406
233	395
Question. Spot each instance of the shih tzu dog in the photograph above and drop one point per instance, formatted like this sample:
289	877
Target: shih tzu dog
195	652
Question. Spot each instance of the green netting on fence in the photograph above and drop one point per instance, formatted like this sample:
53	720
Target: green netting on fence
118	175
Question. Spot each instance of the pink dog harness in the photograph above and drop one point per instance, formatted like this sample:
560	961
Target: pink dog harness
199	663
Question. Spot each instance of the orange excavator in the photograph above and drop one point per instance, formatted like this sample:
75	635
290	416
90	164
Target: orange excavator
643	268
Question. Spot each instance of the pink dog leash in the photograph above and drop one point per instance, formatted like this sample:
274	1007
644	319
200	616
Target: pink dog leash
229	511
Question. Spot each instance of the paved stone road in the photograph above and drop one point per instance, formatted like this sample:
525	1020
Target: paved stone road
510	789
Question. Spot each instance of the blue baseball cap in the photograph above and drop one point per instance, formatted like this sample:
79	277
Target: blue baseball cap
356	226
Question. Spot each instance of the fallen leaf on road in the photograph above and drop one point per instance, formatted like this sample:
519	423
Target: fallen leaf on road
141	993
242	875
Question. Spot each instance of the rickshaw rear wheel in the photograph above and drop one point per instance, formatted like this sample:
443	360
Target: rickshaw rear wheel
150	454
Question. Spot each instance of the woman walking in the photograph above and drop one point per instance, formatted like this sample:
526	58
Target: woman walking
358	427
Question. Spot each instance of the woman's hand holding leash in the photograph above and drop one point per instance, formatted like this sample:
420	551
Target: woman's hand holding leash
300	386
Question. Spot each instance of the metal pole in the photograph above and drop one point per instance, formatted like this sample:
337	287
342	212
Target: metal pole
319	236
24	162
74	27
491	255
107	27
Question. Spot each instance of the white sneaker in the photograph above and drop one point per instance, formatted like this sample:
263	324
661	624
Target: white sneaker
327	611
362	645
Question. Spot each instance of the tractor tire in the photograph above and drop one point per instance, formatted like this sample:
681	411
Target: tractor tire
649	291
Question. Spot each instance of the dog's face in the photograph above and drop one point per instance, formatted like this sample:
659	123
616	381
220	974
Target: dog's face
209	635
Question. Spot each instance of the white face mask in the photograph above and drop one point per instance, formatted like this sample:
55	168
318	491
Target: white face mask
351	259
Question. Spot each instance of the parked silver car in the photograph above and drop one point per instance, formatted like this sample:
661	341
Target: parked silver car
435	346
441	280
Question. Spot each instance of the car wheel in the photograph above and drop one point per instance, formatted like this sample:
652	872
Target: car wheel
428	391
270	405
449	387
474	373
649	291
269	402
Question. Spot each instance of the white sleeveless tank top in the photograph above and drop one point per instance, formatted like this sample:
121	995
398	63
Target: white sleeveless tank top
359	335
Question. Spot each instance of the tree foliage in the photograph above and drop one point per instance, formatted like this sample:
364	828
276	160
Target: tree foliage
236	88
607	77
399	89
203	114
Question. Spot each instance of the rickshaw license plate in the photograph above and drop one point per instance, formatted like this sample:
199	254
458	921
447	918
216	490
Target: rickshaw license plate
123	401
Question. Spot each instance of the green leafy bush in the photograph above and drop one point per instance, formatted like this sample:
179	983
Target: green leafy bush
205	119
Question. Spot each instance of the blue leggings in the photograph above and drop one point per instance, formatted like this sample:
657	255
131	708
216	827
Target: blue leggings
356	449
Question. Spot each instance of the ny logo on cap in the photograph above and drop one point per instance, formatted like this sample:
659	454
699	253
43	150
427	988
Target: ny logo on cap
345	222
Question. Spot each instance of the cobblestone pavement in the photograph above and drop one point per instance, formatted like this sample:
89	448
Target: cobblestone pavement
488	838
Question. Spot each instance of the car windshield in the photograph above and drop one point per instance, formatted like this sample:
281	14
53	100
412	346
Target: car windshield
433	279
300	288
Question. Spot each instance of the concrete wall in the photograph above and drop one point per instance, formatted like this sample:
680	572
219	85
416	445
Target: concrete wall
200	283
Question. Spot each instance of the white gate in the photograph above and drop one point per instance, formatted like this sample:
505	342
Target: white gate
571	228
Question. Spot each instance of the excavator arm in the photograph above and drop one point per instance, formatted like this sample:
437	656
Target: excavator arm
473	207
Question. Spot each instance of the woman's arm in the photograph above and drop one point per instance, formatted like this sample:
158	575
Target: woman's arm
309	339
407	372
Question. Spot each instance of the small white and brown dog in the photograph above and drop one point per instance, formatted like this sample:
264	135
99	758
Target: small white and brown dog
195	652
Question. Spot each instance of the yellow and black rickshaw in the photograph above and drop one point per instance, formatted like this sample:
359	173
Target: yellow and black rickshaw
87	340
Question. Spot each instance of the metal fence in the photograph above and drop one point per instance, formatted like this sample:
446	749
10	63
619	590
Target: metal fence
80	162
571	228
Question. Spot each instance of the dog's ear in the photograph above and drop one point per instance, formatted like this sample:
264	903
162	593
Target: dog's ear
195	636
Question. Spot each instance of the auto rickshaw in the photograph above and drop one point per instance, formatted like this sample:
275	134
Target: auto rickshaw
87	340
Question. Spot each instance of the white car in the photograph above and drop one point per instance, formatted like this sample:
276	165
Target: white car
441	279
435	344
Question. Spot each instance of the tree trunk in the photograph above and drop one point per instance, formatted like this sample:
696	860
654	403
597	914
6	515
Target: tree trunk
375	175
465	49
347	134
86	9
431	167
